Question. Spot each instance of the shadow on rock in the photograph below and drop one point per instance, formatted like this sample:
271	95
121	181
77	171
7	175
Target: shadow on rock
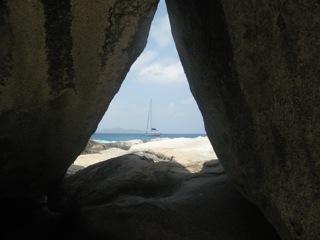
140	197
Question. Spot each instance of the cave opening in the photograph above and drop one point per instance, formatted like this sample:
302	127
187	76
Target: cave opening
168	185
154	111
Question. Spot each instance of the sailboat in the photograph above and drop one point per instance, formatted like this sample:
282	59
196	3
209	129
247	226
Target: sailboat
151	131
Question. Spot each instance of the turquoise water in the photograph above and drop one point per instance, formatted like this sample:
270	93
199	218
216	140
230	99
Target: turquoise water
111	137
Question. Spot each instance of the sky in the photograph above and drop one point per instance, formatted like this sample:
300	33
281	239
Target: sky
158	75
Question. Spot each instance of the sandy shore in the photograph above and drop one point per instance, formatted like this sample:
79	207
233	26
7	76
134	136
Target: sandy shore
192	153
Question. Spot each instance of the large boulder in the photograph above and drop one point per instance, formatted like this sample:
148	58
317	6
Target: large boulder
124	175
253	67
61	63
143	197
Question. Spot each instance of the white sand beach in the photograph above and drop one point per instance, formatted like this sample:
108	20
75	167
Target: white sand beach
192	153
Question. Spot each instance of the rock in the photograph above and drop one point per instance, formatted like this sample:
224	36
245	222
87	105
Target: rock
128	174
61	63
253	69
73	169
213	166
96	147
134	197
125	145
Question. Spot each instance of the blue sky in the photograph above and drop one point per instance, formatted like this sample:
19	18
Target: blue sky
156	74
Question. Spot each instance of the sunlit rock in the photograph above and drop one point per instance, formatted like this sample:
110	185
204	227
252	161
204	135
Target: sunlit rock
61	63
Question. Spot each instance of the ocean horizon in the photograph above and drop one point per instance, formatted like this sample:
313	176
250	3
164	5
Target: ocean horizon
117	137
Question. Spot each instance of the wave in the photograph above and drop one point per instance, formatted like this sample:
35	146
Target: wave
104	141
144	139
177	138
119	141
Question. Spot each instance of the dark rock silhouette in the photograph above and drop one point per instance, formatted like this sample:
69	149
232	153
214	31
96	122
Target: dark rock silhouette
253	69
136	197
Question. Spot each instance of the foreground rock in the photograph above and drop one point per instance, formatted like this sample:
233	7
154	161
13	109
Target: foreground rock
61	63
142	197
127	174
253	67
73	169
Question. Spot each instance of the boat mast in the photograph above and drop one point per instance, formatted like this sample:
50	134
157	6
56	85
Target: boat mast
151	114
149	117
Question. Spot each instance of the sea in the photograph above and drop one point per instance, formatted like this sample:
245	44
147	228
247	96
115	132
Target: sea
119	137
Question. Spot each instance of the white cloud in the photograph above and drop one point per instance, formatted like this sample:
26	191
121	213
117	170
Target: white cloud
144	59
154	66
161	31
151	68
162	72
